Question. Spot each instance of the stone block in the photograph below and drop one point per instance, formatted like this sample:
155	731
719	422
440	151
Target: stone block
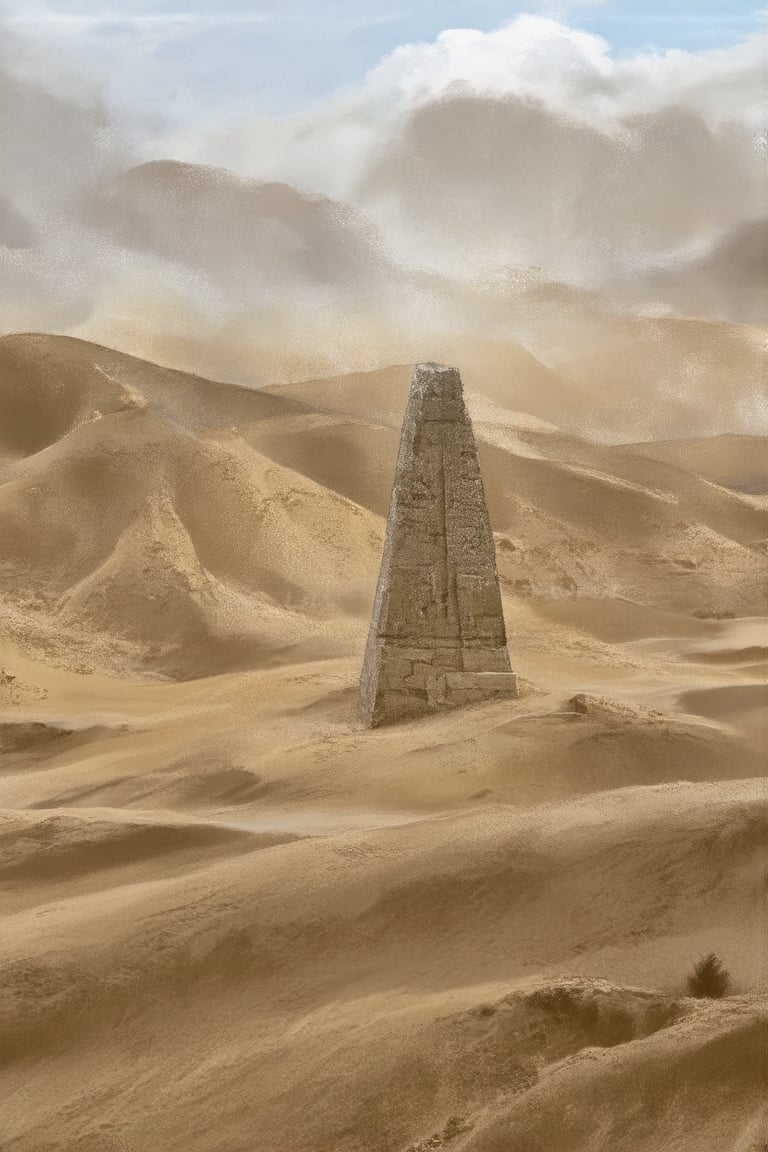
419	675
485	660
487	682
449	658
496	683
465	696
399	705
457	681
402	652
436	691
394	671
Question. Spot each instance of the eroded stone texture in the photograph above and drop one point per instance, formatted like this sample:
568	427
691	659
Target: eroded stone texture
437	636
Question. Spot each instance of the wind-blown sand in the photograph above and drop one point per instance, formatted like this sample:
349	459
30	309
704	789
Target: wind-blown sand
236	921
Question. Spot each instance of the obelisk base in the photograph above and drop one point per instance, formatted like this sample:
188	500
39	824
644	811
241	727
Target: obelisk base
411	682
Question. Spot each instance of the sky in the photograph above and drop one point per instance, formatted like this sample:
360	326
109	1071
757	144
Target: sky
183	64
333	176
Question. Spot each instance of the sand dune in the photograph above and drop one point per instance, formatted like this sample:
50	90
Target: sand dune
739	462
576	516
694	367
130	525
234	920
50	384
556	353
62	847
169	568
718	1054
490	898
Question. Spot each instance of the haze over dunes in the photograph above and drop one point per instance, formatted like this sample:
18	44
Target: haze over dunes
519	201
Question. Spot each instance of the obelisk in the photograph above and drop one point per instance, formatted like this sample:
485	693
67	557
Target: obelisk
437	638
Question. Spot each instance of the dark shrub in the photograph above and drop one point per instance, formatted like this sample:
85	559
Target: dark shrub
709	978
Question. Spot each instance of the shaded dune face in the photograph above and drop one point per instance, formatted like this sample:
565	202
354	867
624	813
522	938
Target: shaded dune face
169	562
236	919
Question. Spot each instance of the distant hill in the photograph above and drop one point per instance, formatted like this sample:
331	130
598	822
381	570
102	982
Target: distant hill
155	517
733	461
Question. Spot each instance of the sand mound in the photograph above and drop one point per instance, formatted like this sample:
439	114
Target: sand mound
641	377
41	846
628	1098
16	691
134	527
21	736
268	745
739	462
49	384
582	520
388	891
457	914
378	396
616	621
355	458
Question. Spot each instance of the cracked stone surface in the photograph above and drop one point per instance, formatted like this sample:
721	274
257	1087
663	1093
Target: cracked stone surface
437	637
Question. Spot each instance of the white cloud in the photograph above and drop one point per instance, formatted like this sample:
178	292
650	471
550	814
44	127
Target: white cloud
529	55
572	75
556	153
540	57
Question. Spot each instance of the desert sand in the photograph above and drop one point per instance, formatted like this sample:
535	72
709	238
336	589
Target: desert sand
234	919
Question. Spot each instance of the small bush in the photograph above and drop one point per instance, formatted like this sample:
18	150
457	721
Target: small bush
709	978
486	1010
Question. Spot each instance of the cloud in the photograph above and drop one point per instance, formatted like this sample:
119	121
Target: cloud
529	144
527	56
555	152
91	241
252	241
400	218
574	70
570	73
55	148
476	182
727	280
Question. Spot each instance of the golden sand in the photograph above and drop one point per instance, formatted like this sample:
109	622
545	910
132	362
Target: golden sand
235	920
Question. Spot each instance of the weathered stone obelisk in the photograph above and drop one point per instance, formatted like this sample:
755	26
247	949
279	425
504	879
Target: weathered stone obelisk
437	638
